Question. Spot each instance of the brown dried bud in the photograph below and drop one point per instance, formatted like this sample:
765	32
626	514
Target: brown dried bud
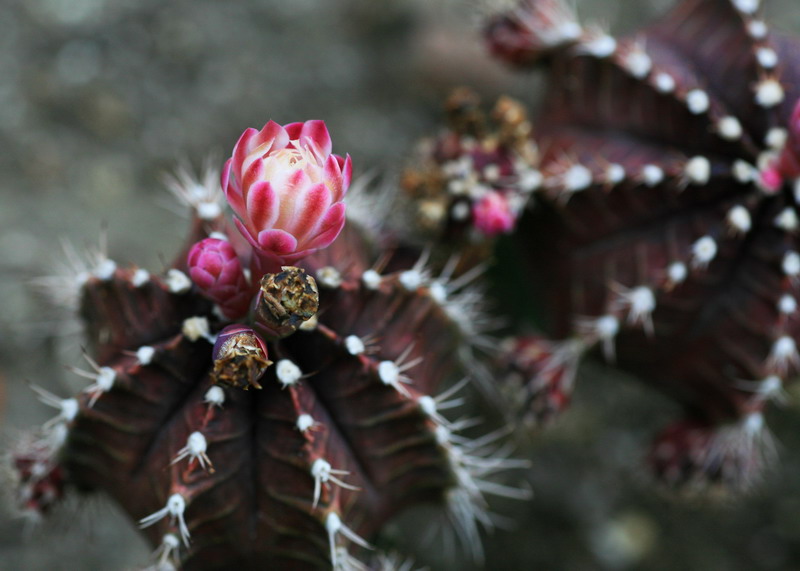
286	300
463	108
240	357
514	127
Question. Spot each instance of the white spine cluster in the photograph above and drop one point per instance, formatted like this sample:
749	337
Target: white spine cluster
391	374
474	463
214	397
67	408
175	508
341	559
195	328
287	372
741	451
322	472
103	379
202	194
195	449
640	302
602	329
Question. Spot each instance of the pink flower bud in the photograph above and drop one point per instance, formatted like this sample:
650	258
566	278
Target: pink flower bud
771	179
492	214
216	271
286	189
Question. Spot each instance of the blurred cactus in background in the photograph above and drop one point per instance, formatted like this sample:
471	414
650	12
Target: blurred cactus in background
326	352
667	229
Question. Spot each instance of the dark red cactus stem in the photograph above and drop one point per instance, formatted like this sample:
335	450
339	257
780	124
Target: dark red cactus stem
666	226
343	433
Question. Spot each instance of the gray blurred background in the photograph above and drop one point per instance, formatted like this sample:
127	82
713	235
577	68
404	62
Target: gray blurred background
98	98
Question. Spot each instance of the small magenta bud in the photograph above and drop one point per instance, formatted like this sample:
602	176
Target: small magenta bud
240	357
216	271
771	179
287	191
285	301
492	214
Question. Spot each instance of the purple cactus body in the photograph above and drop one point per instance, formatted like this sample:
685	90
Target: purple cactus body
666	230
256	503
282	417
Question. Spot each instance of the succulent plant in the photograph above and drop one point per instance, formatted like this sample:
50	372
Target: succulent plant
279	393
247	412
665	227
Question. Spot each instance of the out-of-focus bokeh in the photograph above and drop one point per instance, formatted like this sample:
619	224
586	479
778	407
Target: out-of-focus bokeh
99	98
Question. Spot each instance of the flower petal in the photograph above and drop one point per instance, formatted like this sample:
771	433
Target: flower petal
291	191
203	279
245	232
232	189
270	138
277	241
312	135
241	150
347	173
329	228
315	135
333	176
311	207
251	176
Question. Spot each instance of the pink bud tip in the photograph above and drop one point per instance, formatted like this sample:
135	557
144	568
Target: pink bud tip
287	191
771	179
492	214
216	271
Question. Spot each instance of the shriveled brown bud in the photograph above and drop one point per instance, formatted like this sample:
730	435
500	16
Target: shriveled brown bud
240	357
463	108
286	300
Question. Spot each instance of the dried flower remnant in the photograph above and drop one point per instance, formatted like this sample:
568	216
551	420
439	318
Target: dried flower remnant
472	181
240	357
666	222
285	301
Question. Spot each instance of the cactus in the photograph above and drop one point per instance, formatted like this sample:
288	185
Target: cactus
666	221
283	390
279	415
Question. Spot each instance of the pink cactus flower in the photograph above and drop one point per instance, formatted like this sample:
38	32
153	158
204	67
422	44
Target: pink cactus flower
286	189
492	214
216	271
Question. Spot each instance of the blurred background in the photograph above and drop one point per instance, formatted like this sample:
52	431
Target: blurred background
100	98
